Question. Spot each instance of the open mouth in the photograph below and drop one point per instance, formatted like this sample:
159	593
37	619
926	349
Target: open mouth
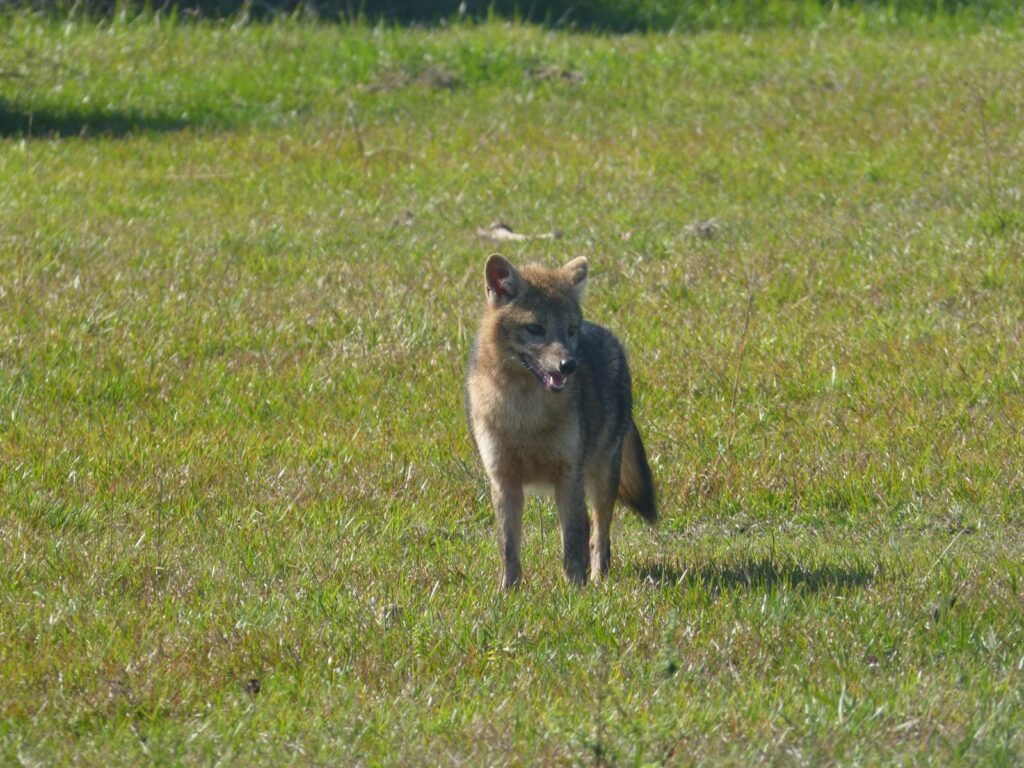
553	381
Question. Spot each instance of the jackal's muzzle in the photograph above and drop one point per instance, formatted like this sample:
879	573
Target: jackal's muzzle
553	381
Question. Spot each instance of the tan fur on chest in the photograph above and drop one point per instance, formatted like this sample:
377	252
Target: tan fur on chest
522	434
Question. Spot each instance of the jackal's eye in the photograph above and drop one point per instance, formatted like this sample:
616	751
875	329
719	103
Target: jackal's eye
535	330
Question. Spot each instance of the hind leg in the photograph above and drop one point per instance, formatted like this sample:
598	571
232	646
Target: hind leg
575	528
600	539
601	492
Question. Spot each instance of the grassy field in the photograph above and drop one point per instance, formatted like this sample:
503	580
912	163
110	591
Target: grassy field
243	523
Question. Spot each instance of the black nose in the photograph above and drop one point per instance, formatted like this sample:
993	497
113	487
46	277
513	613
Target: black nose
568	366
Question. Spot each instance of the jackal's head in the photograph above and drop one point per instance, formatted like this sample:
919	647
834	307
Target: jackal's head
534	317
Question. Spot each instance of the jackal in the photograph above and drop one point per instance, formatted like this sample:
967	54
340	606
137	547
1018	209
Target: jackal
549	404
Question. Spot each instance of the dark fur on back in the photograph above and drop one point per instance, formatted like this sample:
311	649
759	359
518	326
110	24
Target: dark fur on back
607	413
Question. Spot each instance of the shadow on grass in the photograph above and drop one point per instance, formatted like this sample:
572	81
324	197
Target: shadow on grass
596	15
19	122
757	574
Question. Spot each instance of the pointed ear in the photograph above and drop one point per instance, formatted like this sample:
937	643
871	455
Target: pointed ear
501	279
577	271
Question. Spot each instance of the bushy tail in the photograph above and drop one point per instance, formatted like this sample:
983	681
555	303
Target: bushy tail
636	486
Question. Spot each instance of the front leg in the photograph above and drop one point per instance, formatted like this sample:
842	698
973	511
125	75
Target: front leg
508	507
574	524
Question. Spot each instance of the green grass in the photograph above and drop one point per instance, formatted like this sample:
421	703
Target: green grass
242	519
